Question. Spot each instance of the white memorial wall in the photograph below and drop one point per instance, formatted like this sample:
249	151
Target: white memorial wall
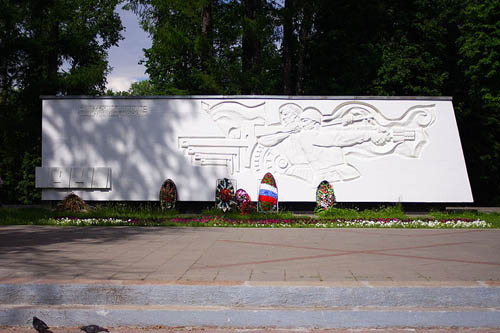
373	149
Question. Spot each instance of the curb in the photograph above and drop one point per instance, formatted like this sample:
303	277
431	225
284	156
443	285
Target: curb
253	295
251	304
290	318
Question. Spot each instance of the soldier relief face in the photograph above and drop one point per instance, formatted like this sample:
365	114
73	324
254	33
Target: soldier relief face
308	124
310	119
289	115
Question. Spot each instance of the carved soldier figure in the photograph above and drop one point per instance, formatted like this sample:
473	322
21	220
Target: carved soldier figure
308	144
323	147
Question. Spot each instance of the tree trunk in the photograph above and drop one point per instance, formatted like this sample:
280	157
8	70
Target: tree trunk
288	48
250	45
206	31
305	32
53	60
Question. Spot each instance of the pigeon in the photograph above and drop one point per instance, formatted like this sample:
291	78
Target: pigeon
93	329
40	326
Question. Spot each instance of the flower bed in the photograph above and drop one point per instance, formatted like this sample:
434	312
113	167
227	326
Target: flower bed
74	221
211	221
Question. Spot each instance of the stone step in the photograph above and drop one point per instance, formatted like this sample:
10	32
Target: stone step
252	304
147	316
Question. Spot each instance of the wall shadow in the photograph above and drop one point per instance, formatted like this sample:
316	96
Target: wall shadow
142	151
38	251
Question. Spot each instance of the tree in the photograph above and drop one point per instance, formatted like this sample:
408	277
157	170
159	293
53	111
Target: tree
209	46
413	62
451	48
288	48
479	96
331	47
48	47
178	61
298	17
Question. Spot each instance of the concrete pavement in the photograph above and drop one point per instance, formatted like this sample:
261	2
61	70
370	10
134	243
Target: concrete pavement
229	277
238	254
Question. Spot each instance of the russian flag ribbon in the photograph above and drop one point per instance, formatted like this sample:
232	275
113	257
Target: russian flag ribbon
268	193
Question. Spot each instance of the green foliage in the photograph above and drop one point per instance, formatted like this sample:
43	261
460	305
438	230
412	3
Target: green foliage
51	47
392	211
479	47
121	214
122	210
342	50
197	46
25	187
142	88
24	216
479	61
412	58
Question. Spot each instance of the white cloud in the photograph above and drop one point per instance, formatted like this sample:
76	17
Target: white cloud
125	57
119	83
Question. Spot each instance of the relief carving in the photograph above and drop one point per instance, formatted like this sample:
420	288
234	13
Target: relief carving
307	143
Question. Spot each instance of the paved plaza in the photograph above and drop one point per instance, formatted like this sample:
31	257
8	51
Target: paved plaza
418	280
232	254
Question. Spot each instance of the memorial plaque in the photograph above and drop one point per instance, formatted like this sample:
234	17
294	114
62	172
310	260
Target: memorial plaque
101	178
81	177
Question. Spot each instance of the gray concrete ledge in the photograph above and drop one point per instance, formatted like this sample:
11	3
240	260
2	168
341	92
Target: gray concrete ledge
473	209
248	295
307	318
245	304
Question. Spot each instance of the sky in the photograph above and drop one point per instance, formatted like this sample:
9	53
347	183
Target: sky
124	58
